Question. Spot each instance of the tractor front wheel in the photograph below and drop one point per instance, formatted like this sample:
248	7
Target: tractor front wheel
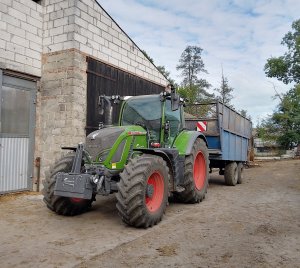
195	174
63	205
142	194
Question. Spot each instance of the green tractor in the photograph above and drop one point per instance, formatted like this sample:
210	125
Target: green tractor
145	159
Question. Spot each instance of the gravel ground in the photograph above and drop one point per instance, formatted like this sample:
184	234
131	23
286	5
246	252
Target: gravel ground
255	224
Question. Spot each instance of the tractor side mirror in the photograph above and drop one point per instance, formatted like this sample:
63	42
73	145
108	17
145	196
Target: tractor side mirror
175	99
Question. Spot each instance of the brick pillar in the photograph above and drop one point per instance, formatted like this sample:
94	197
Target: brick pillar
61	105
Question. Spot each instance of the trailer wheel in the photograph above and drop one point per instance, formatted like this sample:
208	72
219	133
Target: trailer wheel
142	194
63	205
195	174
240	168
231	174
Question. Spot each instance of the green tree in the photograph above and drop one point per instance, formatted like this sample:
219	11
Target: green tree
225	91
195	93
147	56
166	74
283	125
286	68
161	69
244	113
191	66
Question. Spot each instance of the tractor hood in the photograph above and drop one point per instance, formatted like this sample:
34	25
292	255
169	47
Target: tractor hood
102	140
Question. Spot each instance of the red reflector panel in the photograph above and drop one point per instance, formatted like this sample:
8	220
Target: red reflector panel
201	126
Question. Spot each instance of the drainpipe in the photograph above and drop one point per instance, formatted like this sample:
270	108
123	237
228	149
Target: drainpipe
38	166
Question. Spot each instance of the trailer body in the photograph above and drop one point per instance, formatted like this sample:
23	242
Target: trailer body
228	133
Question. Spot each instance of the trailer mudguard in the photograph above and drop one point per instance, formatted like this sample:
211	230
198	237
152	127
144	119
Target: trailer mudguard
185	140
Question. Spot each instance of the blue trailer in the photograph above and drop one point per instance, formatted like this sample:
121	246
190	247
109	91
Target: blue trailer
228	134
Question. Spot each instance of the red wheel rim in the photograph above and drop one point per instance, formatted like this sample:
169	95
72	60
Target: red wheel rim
199	171
76	200
156	183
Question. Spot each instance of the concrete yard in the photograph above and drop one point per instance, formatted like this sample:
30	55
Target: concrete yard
255	224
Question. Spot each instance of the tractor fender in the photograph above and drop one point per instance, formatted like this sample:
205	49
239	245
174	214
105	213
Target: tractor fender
185	140
158	152
194	135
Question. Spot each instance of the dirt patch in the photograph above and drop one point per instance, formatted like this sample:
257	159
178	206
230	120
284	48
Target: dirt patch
17	195
167	250
266	229
255	224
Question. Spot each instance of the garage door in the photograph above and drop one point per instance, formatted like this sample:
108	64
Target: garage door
17	113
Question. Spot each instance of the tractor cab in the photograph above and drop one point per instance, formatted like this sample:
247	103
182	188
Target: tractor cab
157	115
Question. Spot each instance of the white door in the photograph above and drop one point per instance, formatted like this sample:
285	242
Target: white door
17	114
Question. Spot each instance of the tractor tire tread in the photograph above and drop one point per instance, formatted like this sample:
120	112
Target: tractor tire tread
59	204
191	194
131	191
230	174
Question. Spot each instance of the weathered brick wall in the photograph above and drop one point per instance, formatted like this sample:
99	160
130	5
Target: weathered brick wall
21	23
61	111
84	25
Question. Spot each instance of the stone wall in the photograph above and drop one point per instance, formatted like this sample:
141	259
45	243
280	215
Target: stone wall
61	110
21	23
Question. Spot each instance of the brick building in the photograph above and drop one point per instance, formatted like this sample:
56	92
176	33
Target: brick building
56	57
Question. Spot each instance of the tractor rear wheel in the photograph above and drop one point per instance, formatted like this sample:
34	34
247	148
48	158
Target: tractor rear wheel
142	194
231	174
195	174
59	204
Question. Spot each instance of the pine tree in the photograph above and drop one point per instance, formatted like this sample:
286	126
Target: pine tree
191	66
225	91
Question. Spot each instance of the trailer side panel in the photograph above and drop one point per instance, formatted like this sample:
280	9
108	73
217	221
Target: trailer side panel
227	131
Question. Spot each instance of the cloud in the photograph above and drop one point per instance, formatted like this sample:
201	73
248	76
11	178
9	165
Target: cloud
241	35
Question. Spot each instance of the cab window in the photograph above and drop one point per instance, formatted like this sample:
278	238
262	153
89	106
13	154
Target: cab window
174	119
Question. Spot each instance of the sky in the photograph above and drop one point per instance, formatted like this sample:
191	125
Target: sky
238	35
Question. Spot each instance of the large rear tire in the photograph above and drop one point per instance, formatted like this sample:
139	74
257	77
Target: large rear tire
240	168
231	174
195	174
142	194
63	205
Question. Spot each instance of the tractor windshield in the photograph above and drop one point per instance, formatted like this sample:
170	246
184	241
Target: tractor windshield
144	111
